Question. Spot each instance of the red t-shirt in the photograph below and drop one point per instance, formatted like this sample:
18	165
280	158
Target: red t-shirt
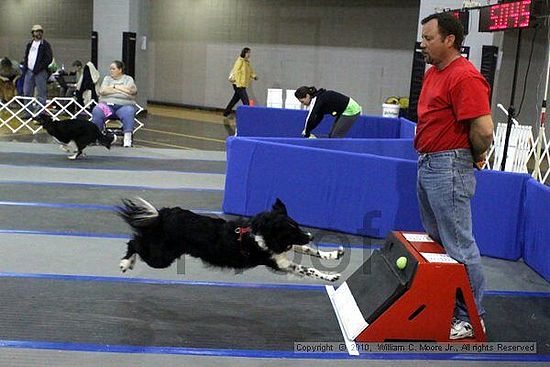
449	98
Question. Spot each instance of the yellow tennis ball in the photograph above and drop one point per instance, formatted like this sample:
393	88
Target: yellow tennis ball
401	263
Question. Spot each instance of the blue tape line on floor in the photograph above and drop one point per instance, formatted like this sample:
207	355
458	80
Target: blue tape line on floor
121	187
516	293
69	234
246	353
301	287
114	169
121	169
90	278
84	206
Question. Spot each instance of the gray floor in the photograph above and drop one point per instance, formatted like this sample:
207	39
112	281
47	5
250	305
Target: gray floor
56	219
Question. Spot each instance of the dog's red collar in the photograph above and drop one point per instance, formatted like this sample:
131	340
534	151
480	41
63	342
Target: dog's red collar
242	231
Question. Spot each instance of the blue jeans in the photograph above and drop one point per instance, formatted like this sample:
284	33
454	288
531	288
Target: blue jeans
445	186
125	114
40	80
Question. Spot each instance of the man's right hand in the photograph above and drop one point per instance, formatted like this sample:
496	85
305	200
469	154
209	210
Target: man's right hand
479	160
480	157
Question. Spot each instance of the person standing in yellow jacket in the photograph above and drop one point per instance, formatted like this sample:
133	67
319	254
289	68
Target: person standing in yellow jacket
240	78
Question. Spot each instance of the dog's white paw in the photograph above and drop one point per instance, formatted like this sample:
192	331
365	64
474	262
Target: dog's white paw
331	277
340	252
332	255
127	264
76	156
64	148
71	146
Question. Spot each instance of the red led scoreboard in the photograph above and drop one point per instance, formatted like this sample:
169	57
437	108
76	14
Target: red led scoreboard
500	17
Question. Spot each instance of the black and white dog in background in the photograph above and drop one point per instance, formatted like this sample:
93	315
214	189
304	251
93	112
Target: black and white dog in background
74	135
163	235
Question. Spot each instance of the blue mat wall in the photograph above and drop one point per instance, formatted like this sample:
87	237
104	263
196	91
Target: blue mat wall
536	245
395	148
355	192
279	122
366	185
407	129
349	192
497	213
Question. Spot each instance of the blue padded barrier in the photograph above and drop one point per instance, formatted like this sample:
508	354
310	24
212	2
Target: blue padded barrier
395	148
497	213
350	192
339	184
407	129
537	228
279	122
274	122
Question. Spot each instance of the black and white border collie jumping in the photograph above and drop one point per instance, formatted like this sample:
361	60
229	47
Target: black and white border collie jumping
162	236
74	135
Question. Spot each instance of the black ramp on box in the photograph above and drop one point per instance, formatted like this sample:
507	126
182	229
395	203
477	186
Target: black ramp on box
377	284
214	317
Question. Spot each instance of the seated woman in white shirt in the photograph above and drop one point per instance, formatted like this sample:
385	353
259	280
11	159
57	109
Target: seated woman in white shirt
117	97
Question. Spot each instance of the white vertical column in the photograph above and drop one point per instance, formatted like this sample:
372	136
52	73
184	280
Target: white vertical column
111	19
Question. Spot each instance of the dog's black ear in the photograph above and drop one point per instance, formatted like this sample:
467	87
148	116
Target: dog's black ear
279	207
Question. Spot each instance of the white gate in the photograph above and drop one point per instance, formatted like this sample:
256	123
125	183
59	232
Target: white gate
16	114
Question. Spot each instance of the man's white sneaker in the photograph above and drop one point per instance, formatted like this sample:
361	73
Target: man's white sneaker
462	329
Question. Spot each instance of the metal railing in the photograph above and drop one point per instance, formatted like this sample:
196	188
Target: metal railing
521	150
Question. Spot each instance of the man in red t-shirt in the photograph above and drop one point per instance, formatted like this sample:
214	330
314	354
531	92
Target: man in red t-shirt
454	131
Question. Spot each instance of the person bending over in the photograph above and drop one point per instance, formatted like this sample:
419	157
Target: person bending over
327	102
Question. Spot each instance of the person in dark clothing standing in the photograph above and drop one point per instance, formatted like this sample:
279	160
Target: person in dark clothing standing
38	55
327	102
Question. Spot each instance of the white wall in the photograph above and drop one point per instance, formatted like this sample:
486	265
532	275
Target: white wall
110	20
361	48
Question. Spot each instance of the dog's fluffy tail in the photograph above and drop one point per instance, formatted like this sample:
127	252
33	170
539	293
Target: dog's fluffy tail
138	213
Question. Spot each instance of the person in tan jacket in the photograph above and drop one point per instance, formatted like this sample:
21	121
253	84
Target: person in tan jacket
240	78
